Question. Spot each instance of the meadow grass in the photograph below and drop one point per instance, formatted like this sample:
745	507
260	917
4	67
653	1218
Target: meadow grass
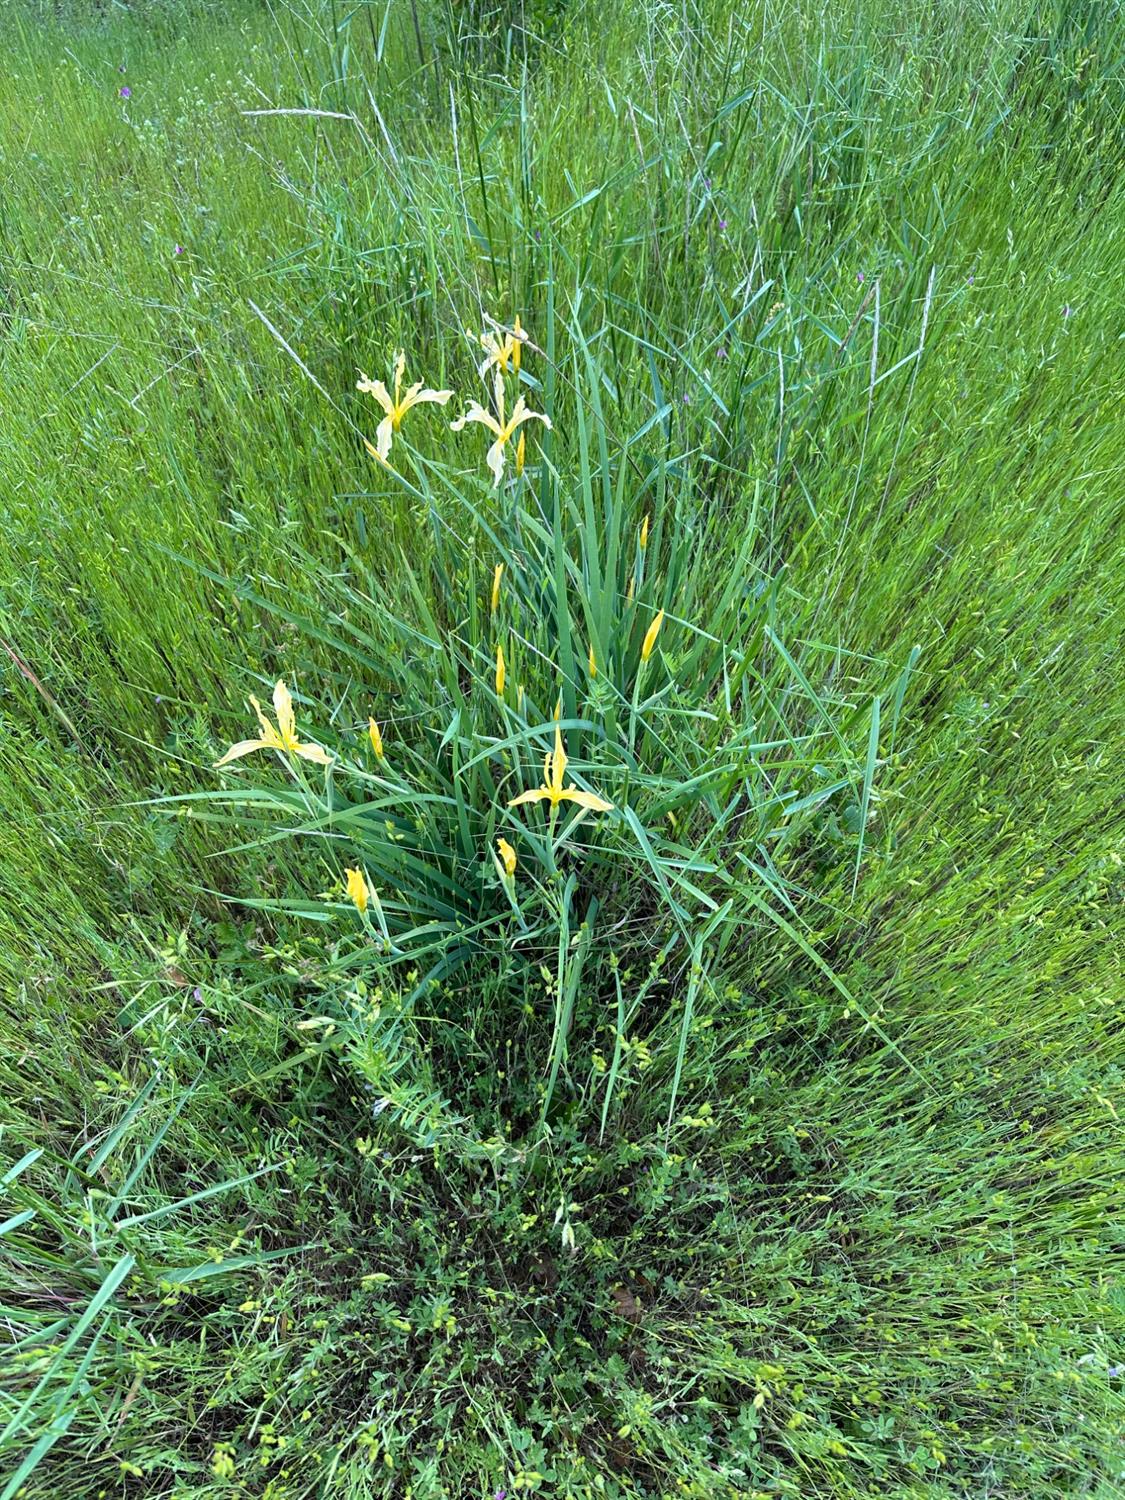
757	1137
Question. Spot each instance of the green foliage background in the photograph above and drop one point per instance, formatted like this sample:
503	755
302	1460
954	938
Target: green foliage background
805	1183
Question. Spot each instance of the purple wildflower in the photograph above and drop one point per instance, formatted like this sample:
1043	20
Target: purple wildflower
197	995
971	280
125	91
538	236
1067	310
178	250
722	224
687	399
721	352
859	277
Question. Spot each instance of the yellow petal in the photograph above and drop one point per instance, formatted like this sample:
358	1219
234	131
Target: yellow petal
650	636
587	800
507	855
644	533
477	413
494	458
375	737
592	662
314	753
283	708
400	367
269	733
383	436
405	402
244	747
496	352
521	413
497	574
357	888
501	671
521	453
538	795
377	389
416	396
558	761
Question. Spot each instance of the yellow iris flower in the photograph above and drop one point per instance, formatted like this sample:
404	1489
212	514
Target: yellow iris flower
502	351
501	672
497	574
507	856
501	429
397	406
650	636
553	791
644	533
375	736
282	736
357	889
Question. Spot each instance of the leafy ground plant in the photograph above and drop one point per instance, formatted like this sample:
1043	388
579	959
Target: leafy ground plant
557	608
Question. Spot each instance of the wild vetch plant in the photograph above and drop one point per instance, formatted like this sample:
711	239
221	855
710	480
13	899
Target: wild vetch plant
574	741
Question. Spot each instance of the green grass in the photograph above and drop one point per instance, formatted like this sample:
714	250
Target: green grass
760	1137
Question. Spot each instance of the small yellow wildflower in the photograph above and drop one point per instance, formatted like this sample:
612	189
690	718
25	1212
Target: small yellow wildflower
553	791
497	574
222	1461
281	737
644	533
650	636
397	406
376	738
507	856
502	429
501	671
357	889
501	352
592	661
